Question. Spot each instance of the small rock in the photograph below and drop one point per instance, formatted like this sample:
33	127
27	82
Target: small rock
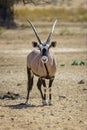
62	97
48	126
19	84
52	114
10	95
81	122
39	128
81	82
69	119
84	89
12	119
1	115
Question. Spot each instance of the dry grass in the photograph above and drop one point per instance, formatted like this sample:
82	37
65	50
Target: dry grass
47	14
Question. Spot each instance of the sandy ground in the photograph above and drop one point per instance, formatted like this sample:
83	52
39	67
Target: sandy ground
69	109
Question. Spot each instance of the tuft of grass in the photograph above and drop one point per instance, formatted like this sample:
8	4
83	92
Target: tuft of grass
81	63
41	14
65	31
78	63
62	65
74	63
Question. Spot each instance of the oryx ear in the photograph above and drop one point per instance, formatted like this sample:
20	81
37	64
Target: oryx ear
35	44
53	44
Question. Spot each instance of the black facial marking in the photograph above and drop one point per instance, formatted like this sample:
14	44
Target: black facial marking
44	52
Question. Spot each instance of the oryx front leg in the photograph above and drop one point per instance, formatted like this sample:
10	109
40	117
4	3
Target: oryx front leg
39	83
45	93
50	92
29	84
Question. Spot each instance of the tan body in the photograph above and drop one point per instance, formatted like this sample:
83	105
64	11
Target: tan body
35	64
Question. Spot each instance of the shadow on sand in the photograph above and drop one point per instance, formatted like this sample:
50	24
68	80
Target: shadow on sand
22	106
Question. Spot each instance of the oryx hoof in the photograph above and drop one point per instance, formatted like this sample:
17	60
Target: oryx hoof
49	103
44	102
26	102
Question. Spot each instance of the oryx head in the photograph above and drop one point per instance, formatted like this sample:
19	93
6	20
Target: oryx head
44	46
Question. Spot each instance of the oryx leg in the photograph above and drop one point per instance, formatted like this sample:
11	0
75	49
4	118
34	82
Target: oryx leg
39	83
45	90
29	84
50	92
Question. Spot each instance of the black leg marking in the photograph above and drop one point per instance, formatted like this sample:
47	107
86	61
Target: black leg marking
44	84
43	96
44	93
50	94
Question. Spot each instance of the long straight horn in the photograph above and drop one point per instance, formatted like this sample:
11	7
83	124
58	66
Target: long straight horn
50	35
35	31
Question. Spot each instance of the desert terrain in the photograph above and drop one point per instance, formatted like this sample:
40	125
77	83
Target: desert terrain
69	90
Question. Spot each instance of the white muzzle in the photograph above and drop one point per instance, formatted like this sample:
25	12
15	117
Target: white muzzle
44	59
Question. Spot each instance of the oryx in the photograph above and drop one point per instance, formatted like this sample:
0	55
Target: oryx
41	62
